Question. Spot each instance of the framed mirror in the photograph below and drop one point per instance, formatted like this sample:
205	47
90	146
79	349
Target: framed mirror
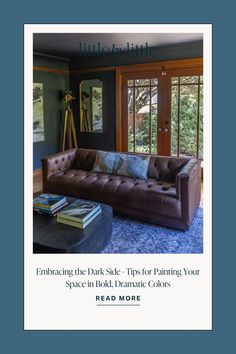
91	106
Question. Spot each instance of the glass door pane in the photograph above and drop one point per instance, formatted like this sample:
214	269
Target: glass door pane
187	116
131	119
174	120
188	120
142	115
200	149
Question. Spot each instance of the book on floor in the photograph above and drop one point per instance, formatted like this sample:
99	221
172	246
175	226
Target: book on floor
80	225
79	211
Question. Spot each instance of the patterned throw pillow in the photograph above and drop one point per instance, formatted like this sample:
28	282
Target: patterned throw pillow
121	164
133	166
106	162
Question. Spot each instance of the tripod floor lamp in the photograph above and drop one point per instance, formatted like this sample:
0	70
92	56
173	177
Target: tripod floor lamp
69	132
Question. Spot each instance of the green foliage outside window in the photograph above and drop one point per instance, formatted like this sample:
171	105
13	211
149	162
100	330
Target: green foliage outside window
188	121
188	118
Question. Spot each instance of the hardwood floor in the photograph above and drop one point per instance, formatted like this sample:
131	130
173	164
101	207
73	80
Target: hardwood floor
201	201
37	182
38	185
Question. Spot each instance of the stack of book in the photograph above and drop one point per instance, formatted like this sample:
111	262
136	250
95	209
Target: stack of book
49	204
79	214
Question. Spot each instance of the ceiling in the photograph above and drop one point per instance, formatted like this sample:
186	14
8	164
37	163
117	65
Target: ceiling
75	44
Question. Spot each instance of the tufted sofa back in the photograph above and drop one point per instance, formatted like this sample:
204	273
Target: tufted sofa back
160	167
165	167
84	159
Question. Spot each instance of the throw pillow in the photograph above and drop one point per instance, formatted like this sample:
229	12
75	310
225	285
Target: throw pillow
106	162
133	166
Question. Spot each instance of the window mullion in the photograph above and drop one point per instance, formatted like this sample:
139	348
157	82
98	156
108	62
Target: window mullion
134	116
150	118
178	141
198	116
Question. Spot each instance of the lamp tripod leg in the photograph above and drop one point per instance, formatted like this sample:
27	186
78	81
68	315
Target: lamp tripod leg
69	131
73	130
64	131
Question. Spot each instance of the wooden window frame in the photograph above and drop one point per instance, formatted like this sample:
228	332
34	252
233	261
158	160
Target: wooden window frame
148	86
179	74
167	69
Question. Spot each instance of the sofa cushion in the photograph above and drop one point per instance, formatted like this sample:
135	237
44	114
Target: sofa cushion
118	191
167	196
160	167
106	162
165	168
84	159
133	166
121	164
155	196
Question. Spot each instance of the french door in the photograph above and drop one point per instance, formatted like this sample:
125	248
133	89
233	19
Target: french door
145	129
162	110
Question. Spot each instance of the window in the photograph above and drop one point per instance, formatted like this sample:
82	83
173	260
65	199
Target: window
187	116
142	115
160	108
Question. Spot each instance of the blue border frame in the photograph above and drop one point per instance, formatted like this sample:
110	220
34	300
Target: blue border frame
14	338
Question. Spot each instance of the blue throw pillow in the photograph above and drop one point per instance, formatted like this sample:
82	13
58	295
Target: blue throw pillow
133	166
106	162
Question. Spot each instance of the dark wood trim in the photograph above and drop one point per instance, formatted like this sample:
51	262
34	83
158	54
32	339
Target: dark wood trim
198	115
170	64
79	71
118	111
162	65
178	138
150	119
92	70
160	117
166	117
124	120
170	68
50	70
185	72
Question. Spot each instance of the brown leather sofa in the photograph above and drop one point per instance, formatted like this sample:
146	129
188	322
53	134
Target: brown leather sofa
169	197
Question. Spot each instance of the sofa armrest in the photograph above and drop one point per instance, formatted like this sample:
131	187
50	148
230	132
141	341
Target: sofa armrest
188	187
55	163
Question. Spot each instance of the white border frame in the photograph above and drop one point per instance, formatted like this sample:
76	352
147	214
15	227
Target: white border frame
33	318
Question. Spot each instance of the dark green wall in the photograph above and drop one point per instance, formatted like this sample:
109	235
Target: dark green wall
106	141
53	86
178	51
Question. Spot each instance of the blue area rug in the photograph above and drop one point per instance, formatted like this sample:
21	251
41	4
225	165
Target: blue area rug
131	236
